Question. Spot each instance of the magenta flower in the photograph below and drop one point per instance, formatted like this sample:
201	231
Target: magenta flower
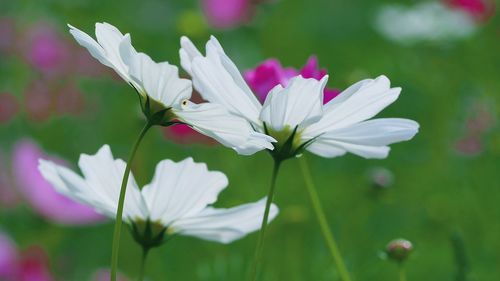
480	10
8	258
33	266
40	194
227	13
46	49
29	265
270	73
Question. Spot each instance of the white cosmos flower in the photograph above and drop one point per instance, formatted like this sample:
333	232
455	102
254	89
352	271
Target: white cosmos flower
426	21
295	115
176	201
164	95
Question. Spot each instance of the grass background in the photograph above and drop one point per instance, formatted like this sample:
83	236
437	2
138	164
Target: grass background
438	194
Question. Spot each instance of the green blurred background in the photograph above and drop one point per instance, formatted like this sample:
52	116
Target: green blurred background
438	195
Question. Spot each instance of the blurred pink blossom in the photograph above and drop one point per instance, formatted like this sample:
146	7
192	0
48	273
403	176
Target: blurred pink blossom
469	145
227	13
46	49
44	98
480	10
8	258
479	122
31	264
40	194
38	100
270	73
8	107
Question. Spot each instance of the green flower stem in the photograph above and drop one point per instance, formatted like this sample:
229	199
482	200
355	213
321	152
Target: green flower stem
320	215
260	242
142	268
119	211
402	272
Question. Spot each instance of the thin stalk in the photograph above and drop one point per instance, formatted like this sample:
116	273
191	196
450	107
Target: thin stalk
260	242
121	200
142	267
320	215
402	273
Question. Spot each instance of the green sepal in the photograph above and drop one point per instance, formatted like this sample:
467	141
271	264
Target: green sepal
149	234
288	148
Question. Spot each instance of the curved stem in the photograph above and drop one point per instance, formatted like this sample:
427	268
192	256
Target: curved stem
320	215
402	273
142	267
260	242
121	200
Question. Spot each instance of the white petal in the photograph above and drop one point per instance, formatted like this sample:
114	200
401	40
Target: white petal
360	102
107	47
70	184
181	190
103	175
90	44
109	37
225	225
299	104
160	81
219	81
216	122
187	54
367	139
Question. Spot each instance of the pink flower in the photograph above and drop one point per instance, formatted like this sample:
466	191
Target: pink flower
8	107
33	266
44	98
29	265
227	13
8	258
40	194
480	10
46	49
469	146
270	73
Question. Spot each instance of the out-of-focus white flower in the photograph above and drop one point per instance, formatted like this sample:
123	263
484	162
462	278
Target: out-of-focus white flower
295	115
175	202
164	95
427	21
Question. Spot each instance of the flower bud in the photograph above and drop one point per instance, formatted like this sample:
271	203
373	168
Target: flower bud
381	177
399	249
